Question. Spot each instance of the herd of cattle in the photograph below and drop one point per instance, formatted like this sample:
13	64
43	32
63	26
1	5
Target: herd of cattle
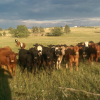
49	57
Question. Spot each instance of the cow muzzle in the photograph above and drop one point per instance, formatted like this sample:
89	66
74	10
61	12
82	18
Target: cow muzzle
35	57
12	60
48	57
76	53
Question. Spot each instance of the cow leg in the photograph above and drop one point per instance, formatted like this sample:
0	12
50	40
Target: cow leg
14	66
4	67
44	65
57	65
10	72
66	62
22	69
97	60
28	69
52	65
49	65
77	66
90	59
34	70
70	65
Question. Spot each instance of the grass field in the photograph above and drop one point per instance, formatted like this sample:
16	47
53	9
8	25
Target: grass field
53	87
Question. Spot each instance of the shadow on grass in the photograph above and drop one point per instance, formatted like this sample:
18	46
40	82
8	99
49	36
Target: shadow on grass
5	92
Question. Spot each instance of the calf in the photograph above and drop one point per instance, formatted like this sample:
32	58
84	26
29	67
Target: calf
47	58
72	55
36	58
17	43
83	51
25	60
93	51
39	48
2	51
9	59
22	45
57	56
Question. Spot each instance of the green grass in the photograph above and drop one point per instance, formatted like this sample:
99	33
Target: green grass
46	87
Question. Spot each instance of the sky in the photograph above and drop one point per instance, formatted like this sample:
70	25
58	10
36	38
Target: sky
49	13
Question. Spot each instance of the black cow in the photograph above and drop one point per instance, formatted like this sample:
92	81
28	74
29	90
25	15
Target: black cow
30	59
25	60
47	58
56	54
83	52
36	58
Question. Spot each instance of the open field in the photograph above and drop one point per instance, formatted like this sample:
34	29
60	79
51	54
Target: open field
46	87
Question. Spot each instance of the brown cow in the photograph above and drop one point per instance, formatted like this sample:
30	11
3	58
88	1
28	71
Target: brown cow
8	59
72	55
22	45
5	49
17	43
93	51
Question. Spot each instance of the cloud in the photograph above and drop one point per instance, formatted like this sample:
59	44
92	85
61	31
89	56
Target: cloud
49	12
52	23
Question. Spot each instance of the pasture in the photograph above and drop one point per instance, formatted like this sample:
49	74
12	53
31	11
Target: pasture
54	87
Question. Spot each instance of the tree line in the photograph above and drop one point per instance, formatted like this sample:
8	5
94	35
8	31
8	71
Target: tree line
22	31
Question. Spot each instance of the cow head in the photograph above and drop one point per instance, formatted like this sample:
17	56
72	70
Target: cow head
48	54
16	40
11	56
76	49
33	52
22	45
86	44
63	50
39	49
58	51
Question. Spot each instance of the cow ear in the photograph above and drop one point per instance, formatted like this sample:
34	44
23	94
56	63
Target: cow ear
82	43
71	48
66	48
29	51
80	47
60	48
89	43
93	46
16	54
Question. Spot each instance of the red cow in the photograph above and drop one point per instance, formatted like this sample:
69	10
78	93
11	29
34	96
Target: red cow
18	43
8	58
72	55
22	45
93	51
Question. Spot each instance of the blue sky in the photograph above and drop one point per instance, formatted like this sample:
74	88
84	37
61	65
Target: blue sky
49	13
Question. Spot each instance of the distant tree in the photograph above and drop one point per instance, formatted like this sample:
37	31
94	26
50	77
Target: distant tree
0	34
56	31
21	31
61	27
4	33
10	28
36	29
33	29
41	29
67	29
0	29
